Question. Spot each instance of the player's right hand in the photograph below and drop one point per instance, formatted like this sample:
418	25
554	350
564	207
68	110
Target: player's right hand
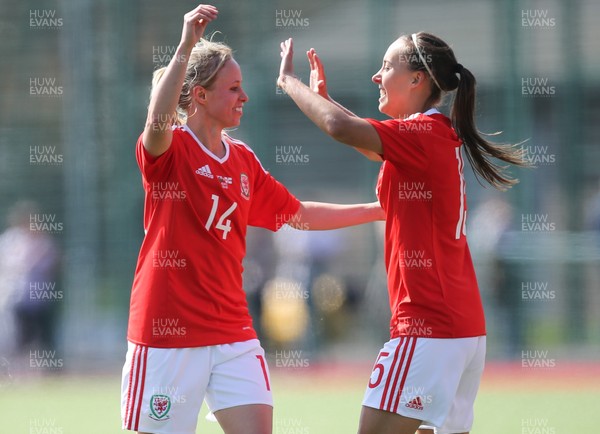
318	82
195	22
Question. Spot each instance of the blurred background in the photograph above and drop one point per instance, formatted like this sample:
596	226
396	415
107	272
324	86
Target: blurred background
76	78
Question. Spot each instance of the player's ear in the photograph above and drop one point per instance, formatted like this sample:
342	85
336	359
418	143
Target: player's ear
416	78
199	94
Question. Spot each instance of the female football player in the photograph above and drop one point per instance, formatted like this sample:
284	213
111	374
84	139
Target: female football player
190	336
428	374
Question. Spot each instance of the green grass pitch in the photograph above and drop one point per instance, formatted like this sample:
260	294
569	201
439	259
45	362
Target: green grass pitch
303	405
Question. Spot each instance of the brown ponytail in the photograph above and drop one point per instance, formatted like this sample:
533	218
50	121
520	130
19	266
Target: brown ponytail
479	150
444	67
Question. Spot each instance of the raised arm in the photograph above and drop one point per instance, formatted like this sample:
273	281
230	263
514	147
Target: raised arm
157	134
333	119
318	216
318	84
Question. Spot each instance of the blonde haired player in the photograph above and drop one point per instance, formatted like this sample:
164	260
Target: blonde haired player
190	336
428	374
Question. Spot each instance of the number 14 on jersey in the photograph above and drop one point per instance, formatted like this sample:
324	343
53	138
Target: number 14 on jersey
223	224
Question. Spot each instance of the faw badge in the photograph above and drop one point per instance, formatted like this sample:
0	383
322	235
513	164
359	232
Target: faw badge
159	407
245	184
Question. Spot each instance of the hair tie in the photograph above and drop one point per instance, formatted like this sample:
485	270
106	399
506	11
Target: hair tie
458	68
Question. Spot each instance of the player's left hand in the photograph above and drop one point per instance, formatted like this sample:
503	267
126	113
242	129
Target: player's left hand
287	59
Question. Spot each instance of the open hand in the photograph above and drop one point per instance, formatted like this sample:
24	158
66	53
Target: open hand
318	82
287	59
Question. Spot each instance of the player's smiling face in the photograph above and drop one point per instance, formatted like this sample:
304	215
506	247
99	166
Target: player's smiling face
395	82
225	97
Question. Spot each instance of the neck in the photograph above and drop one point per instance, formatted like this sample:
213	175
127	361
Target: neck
209	135
418	102
417	107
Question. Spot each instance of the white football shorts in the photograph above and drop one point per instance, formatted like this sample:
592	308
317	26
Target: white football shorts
162	389
432	380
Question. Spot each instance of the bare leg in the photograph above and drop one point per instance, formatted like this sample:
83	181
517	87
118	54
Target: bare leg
246	419
373	421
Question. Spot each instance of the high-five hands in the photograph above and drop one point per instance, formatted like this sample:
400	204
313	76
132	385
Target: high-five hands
318	82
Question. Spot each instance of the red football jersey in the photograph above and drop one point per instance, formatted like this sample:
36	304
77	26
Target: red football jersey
187	289
431	280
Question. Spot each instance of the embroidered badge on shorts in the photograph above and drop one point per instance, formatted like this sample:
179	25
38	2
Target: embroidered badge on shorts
159	407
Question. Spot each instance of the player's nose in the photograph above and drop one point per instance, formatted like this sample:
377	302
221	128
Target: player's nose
244	96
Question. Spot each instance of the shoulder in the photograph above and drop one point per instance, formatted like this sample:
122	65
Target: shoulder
438	124
240	148
388	130
385	124
237	145
180	134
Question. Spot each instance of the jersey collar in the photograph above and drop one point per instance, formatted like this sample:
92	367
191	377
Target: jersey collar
206	150
431	111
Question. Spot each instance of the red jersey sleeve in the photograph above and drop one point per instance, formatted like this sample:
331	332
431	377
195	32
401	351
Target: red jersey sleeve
401	143
156	168
272	204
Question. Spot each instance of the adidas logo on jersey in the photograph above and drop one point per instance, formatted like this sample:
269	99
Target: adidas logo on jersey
415	403
205	171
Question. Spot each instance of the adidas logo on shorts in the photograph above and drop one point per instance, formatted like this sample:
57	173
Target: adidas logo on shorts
415	403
